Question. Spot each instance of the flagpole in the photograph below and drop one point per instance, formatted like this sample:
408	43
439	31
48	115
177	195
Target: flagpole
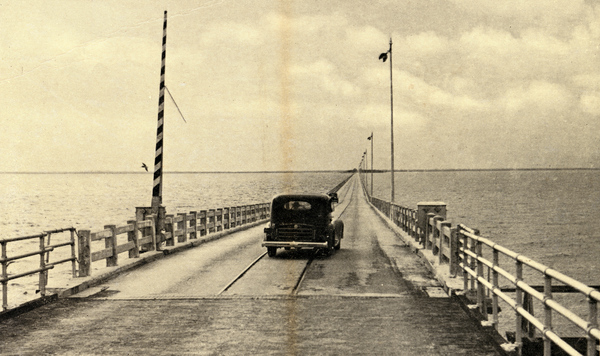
392	121
371	165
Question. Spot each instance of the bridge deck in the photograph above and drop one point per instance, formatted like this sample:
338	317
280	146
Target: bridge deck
377	306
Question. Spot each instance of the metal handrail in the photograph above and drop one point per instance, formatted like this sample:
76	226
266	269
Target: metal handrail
473	262
589	327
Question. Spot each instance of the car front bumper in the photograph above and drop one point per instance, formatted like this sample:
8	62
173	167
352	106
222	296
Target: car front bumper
294	244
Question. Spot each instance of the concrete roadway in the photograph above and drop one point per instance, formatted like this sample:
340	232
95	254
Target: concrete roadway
374	296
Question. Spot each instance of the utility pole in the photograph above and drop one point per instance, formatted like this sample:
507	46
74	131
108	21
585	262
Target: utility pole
392	121
384	57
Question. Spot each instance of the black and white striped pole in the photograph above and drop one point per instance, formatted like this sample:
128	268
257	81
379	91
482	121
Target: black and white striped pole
156	211
158	153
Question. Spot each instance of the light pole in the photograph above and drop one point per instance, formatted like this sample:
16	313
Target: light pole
366	167
384	56
370	138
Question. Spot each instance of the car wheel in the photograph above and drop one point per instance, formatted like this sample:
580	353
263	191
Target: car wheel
271	251
339	234
338	245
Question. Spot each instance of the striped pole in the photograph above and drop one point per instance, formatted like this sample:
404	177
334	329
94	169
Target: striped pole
158	156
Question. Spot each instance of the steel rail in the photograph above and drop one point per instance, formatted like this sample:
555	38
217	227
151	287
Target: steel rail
302	274
241	274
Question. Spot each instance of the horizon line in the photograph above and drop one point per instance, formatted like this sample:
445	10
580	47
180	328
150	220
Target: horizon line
318	171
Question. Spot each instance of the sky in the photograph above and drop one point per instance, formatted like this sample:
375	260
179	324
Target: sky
297	84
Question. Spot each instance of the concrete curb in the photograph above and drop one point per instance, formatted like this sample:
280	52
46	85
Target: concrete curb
447	285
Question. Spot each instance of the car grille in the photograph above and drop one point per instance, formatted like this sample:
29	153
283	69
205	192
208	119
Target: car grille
296	233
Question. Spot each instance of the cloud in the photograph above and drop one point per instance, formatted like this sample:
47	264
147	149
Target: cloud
538	97
587	81
590	103
424	44
325	74
532	11
366	39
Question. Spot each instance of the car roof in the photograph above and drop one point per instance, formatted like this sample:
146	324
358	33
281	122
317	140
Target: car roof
302	196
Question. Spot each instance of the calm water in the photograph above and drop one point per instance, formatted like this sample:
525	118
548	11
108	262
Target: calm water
550	216
32	203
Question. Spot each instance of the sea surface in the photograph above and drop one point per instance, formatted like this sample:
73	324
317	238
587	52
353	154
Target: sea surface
32	203
551	216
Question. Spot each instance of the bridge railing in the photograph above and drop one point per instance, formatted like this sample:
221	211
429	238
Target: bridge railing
133	238
140	235
462	250
472	263
44	247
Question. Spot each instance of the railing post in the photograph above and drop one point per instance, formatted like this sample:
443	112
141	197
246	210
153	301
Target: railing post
443	224
495	263
225	218
465	257
519	302
425	232
170	228
210	221
473	261
480	287
453	253
4	277
402	218
423	209
194	223
547	314
85	254
73	254
232	216
154	245
435	235
111	242
43	277
219	219
593	323
184	227
203	222
134	236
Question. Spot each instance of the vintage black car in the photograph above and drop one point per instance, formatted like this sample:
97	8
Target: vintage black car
303	221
